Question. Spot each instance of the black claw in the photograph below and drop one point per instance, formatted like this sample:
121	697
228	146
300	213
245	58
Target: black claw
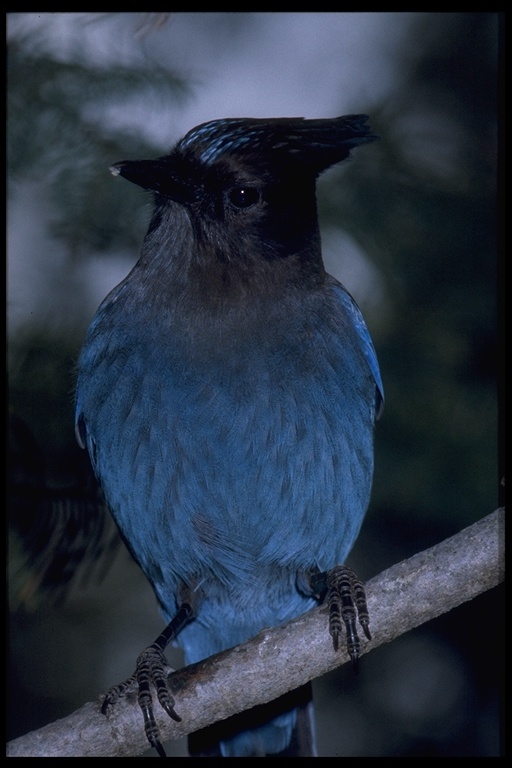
172	713
159	748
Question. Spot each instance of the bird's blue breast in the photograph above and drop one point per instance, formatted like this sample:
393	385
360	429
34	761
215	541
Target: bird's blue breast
237	464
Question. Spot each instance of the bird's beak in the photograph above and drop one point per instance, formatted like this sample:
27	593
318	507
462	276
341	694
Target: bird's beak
155	175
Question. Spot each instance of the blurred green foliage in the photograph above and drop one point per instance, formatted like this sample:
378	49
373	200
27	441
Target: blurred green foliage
58	133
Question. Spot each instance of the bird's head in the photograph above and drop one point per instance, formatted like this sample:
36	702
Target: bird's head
248	185
262	148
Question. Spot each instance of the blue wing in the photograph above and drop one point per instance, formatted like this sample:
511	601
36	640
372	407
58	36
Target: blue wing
366	342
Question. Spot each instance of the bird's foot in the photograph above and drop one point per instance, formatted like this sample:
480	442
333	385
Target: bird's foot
346	600
152	670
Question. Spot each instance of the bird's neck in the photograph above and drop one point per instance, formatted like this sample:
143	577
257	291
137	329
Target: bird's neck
211	276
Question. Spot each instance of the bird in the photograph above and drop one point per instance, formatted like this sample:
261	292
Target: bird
227	392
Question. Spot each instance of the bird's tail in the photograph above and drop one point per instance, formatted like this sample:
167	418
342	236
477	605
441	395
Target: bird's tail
283	728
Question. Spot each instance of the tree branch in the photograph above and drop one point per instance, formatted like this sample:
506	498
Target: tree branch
280	659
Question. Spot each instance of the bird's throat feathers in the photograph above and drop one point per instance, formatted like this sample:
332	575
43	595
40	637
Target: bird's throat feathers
192	265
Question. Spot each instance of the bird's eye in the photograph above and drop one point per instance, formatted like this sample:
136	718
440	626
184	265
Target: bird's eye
243	197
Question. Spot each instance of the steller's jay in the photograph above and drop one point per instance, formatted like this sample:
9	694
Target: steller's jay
227	393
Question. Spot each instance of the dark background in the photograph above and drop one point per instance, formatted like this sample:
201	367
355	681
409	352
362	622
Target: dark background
411	226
